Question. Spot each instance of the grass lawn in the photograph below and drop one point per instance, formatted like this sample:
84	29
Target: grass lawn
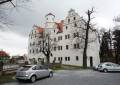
7	78
68	67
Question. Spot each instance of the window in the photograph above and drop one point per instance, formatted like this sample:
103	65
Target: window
36	50
77	58
59	58
67	47
75	46
60	38
58	47
74	35
30	51
65	58
78	45
75	25
39	42
37	68
54	58
74	18
65	36
61	47
68	58
77	34
33	43
66	27
68	20
40	50
33	50
68	36
54	39
108	65
30	44
54	48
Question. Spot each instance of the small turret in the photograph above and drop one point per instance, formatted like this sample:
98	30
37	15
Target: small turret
50	17
50	23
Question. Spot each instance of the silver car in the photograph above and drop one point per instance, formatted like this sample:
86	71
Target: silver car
108	66
33	72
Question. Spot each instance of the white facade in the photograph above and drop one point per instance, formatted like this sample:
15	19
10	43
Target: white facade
68	40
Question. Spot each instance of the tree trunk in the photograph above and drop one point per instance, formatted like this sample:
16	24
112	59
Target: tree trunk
85	49
86	40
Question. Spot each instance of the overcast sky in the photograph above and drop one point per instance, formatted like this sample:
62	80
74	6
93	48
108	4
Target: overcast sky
14	39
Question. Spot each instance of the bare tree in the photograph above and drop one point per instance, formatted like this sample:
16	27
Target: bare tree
46	45
6	5
88	27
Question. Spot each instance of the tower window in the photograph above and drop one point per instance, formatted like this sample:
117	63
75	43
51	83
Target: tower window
74	18
68	20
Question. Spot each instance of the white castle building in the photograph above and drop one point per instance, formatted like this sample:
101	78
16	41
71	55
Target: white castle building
67	38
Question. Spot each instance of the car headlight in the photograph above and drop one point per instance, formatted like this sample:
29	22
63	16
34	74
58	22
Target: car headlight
26	75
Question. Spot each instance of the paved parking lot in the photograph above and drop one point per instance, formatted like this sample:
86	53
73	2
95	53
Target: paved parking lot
76	77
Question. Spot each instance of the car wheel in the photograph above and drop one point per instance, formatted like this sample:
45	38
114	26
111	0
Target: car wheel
33	79
105	70
19	80
51	74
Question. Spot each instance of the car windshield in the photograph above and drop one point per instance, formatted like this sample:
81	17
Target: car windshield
25	68
100	64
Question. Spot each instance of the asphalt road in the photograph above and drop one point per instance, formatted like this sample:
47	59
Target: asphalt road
76	77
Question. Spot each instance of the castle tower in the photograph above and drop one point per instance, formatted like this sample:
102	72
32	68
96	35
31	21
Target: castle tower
49	21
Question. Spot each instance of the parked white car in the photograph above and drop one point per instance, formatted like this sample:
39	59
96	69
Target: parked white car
95	67
108	66
33	72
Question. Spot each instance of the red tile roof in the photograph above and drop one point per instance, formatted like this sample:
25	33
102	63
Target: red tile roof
60	27
3	54
39	29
